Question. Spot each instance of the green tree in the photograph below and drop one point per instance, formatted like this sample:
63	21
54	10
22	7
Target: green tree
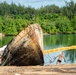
69	9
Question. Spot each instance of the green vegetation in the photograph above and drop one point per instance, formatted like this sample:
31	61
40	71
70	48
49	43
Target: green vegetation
53	19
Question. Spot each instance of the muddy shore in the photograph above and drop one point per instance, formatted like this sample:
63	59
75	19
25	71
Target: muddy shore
69	69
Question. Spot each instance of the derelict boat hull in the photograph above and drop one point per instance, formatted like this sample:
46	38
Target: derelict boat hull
26	49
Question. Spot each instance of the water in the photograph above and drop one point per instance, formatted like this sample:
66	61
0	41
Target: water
60	40
53	41
5	40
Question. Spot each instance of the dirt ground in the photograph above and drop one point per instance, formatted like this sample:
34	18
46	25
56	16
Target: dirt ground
69	69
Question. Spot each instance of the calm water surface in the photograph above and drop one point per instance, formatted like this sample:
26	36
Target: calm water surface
60	40
53	41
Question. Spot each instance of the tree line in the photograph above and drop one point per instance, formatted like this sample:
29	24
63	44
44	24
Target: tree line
53	19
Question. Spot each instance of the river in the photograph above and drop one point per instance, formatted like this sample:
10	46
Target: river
53	41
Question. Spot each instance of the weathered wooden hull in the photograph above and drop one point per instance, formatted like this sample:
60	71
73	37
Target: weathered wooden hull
26	48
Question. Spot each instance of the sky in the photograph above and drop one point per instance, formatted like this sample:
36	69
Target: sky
38	3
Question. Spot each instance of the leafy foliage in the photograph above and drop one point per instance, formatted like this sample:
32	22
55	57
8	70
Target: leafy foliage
53	19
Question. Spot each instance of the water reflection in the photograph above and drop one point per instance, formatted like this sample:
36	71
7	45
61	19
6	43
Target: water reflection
60	40
71	56
53	41
5	40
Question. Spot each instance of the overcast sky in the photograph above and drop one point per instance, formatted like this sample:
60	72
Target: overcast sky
38	3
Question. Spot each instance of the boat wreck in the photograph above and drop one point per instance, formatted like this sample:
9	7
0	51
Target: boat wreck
25	49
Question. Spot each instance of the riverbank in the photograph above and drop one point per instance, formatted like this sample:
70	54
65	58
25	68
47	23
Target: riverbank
68	69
